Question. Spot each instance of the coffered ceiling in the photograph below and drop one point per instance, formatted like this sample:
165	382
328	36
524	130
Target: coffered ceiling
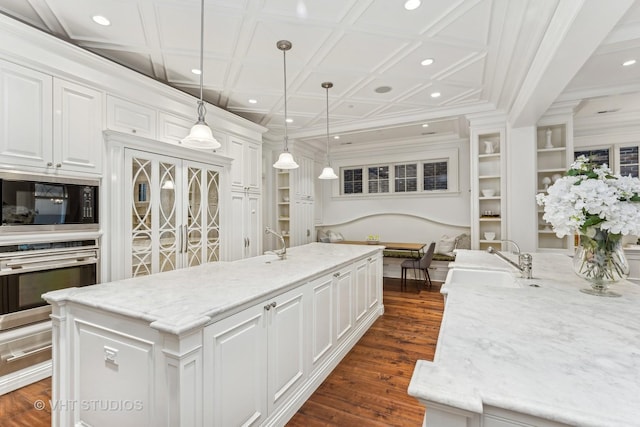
484	53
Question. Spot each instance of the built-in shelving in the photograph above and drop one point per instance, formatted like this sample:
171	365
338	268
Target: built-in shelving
488	207
554	153
283	204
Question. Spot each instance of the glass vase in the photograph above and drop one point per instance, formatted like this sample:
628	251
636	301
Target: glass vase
600	260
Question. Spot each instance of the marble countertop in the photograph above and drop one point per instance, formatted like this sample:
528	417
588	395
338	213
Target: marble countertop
180	300
551	351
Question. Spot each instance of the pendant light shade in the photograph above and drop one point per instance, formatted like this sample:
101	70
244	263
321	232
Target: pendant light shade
285	160
200	136
327	172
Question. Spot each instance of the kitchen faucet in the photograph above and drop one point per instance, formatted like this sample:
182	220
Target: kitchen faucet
282	252
525	261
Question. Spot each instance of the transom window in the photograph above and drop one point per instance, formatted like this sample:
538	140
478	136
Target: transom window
423	176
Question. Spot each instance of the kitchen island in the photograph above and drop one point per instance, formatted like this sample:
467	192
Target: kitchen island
221	344
531	352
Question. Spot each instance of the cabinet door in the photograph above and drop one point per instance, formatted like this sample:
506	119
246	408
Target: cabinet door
202	214
343	283
245	170
286	346
77	127
237	241
253	228
322	319
374	281
26	116
154	218
172	128
127	117
235	357
361	288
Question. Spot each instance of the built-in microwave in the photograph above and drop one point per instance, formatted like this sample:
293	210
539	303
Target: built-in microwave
47	203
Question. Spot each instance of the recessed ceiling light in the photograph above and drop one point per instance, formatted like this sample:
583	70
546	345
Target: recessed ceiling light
336	137
253	101
425	125
629	62
435	95
101	20
196	71
382	89
427	61
412	4
289	120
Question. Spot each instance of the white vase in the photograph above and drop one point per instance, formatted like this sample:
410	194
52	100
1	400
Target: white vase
489	147
548	135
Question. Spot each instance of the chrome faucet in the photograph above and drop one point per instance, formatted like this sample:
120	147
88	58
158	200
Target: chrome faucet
525	261
282	252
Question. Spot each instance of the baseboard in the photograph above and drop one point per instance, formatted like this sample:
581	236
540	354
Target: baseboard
24	377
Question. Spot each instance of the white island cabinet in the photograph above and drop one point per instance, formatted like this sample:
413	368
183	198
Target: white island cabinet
516	352
220	344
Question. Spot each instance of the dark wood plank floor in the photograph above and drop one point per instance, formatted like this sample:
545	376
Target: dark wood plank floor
368	388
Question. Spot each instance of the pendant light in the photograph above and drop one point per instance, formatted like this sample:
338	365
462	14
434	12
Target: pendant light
200	136
285	160
327	172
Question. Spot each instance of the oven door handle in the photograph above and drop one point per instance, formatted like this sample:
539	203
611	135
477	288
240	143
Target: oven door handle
49	266
15	358
53	260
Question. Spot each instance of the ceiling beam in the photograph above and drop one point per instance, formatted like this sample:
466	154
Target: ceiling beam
576	30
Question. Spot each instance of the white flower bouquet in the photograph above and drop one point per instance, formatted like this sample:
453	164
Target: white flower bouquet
589	197
601	207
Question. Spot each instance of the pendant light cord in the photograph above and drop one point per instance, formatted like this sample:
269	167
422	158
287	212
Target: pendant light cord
286	137
328	158
201	108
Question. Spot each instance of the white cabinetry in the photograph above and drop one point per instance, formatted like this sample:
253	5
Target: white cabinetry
173	219
128	117
302	230
256	360
554	156
245	171
245	236
48	124
488	207
245	233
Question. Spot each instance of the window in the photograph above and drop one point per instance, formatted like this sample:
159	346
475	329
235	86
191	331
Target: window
352	180
434	175
599	156
629	161
378	179
437	174
406	178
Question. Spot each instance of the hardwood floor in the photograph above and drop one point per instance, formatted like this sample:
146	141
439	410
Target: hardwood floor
368	388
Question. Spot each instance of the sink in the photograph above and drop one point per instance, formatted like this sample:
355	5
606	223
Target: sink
493	278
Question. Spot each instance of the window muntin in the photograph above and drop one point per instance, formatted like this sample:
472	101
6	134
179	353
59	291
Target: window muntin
629	161
352	181
425	176
599	156
435	176
378	179
406	178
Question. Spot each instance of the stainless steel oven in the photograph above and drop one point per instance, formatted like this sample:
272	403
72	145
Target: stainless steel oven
26	272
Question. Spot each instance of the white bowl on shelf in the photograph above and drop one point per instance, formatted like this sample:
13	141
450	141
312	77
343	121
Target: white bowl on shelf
489	235
488	192
285	199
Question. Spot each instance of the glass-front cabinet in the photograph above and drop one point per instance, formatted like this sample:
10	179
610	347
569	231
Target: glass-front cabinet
174	219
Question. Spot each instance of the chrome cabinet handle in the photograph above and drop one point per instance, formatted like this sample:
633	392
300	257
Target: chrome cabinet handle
185	241
179	239
49	163
336	274
273	304
58	165
267	307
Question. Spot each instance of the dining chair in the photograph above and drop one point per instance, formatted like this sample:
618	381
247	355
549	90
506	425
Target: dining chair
418	264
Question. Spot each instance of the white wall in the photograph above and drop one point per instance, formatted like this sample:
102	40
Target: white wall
419	217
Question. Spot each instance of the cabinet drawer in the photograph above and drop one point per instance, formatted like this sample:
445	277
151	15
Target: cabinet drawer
127	117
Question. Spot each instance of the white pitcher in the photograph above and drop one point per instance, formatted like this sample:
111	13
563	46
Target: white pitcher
489	147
